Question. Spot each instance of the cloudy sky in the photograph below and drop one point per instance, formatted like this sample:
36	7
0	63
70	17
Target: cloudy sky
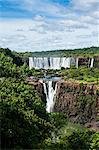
35	25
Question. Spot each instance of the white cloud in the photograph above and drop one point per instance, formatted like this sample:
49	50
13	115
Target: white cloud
66	28
38	34
85	5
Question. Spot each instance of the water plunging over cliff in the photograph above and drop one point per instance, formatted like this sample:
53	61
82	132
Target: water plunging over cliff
50	88
92	63
30	62
76	62
59	62
50	62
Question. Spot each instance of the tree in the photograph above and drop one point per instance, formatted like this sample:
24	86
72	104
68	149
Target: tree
24	122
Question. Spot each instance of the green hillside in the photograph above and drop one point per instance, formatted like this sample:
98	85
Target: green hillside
85	52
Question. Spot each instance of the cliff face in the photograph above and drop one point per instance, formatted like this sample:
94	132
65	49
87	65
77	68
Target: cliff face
96	62
79	102
38	86
84	61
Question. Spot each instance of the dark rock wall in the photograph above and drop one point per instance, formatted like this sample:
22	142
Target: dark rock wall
79	102
83	62
96	63
87	61
38	86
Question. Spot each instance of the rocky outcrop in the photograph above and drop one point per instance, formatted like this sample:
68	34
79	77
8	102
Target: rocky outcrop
80	102
96	64
84	62
38	86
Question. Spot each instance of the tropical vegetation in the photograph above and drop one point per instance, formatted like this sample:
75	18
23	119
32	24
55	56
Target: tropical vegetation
25	124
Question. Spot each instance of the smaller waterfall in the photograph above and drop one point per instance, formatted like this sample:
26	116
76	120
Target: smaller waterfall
31	62
89	63
73	61
77	62
92	63
68	62
50	94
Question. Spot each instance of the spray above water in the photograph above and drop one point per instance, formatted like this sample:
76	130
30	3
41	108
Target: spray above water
50	92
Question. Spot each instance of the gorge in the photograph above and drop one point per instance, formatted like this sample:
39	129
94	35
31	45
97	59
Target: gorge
79	102
67	101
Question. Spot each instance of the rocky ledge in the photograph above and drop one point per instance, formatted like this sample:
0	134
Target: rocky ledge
80	102
38	86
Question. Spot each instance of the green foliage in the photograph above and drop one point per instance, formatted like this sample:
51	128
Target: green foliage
82	74
69	136
23	116
84	52
20	58
58	119
79	140
15	57
7	68
24	121
95	142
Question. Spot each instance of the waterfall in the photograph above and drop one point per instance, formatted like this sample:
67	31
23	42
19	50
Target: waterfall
77	62
68	62
73	61
50	92
55	63
46	63
50	62
92	63
31	62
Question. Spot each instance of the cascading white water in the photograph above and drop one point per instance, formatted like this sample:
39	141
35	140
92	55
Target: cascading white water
50	62
68	62
50	94
31	62
92	63
77	62
73	61
55	62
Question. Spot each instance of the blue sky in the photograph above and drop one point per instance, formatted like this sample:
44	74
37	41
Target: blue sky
29	8
35	25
